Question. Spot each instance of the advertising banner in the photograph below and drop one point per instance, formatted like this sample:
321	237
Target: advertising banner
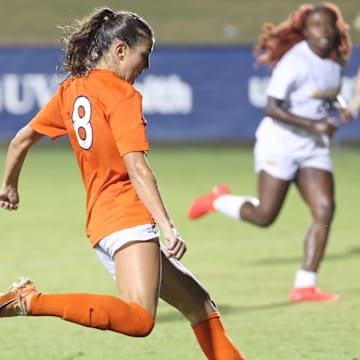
203	93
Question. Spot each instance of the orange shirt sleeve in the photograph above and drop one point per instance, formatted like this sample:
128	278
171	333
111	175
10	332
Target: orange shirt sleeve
49	120
128	124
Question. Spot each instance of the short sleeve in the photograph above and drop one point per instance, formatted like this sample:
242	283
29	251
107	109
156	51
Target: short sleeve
284	77
127	123
49	121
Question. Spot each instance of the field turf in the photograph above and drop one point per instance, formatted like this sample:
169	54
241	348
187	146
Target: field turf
175	22
249	271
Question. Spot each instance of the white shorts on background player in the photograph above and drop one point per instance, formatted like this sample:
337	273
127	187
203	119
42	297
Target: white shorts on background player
281	152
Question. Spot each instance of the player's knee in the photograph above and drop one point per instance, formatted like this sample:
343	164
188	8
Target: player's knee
212	303
264	215
265	222
140	322
198	307
145	328
324	210
265	219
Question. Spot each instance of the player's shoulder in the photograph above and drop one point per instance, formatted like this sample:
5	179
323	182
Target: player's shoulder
296	53
295	59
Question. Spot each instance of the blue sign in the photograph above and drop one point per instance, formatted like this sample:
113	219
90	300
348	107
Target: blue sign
203	93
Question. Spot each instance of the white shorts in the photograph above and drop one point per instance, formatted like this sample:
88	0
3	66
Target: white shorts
108	246
282	152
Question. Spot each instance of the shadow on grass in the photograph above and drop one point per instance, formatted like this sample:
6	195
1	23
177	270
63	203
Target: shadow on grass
351	252
231	309
174	315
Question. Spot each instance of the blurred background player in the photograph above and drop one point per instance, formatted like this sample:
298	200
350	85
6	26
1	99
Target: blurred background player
306	53
354	103
101	112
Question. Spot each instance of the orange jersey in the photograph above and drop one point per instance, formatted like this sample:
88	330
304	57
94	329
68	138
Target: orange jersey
102	115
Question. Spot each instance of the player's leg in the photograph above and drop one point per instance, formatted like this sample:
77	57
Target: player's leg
316	187
271	194
261	211
183	291
138	276
136	267
275	167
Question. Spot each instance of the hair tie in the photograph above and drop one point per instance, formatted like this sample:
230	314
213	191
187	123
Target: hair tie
109	15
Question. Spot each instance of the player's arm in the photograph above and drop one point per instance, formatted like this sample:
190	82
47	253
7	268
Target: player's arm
345	112
354	103
18	148
349	111
145	185
274	108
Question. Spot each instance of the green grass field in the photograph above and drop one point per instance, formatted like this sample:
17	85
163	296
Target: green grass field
249	271
175	22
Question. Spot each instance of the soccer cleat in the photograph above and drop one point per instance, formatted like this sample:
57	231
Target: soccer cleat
311	294
204	204
13	302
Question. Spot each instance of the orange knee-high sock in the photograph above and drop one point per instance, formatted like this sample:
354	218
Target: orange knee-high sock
214	341
97	311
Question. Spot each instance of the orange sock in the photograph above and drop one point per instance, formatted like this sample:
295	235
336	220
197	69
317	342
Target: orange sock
214	341
97	311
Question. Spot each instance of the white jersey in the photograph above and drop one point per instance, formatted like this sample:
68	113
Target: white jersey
307	85
305	82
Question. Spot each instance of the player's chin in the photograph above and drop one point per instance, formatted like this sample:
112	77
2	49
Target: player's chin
326	45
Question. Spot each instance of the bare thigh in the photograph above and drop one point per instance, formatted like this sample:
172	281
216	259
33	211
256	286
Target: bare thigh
183	291
137	268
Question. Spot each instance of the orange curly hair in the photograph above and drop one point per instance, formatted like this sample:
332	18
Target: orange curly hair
276	40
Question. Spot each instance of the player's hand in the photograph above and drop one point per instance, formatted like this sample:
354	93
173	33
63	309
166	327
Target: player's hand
346	115
175	245
343	109
326	126
9	199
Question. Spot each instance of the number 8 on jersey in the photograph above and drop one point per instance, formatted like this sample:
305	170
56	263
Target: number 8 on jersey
81	117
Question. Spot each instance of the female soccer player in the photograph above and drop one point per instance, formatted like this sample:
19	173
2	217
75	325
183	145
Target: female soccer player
307	53
101	112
